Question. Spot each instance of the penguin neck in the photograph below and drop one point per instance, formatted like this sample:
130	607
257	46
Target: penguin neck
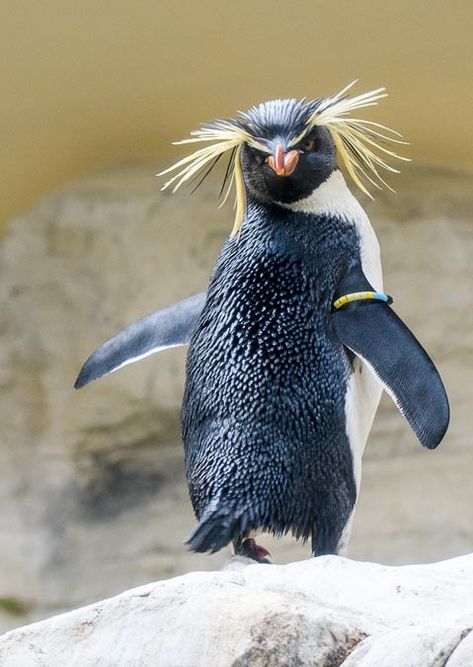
331	206
330	210
332	199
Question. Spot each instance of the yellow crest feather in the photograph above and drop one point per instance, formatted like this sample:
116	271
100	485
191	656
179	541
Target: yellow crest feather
361	146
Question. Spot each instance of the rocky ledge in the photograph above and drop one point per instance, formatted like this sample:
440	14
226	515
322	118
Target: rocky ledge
324	612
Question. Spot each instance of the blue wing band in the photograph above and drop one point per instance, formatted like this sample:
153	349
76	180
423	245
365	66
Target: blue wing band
361	296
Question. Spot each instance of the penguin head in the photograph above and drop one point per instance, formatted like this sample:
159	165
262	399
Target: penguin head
287	164
282	150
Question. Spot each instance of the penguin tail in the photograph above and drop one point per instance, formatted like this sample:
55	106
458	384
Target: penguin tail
217	528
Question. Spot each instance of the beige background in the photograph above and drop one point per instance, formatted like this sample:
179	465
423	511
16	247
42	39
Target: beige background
87	83
91	483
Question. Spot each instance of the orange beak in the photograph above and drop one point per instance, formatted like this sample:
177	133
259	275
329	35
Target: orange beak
283	165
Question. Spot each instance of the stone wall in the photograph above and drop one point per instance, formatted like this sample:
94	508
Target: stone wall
92	486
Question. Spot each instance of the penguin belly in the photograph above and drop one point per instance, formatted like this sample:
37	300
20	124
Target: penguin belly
363	393
264	414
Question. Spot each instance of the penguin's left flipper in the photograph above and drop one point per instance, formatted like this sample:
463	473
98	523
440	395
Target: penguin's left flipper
166	328
373	331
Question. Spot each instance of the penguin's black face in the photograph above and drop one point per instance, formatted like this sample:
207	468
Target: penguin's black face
288	171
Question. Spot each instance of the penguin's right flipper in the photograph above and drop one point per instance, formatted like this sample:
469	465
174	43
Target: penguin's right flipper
169	327
373	331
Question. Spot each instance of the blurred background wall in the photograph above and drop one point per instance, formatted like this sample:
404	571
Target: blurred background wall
88	83
91	483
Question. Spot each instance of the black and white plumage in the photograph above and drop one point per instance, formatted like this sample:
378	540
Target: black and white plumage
281	390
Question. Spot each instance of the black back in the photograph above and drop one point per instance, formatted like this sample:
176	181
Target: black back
263	412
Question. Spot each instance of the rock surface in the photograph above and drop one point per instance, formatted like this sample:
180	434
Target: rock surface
92	486
325	612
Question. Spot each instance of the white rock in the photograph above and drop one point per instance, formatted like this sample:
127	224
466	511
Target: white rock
324	612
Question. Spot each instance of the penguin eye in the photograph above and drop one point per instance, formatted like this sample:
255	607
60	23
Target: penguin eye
257	156
309	145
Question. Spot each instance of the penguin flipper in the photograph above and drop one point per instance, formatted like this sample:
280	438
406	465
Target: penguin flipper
168	327
373	331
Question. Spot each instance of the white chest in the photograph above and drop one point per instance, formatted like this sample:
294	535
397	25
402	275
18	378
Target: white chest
363	391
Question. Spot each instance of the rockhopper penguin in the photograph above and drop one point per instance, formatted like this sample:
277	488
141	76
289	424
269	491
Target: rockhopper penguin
294	340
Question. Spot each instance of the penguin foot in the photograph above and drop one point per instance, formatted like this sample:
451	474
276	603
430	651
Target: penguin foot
250	549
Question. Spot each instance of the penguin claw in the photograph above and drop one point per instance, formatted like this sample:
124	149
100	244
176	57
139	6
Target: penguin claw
256	552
